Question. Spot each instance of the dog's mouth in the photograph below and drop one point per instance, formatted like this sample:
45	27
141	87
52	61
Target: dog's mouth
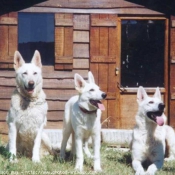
30	90
97	103
157	117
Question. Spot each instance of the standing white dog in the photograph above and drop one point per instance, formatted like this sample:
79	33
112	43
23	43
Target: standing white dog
150	134
82	119
27	115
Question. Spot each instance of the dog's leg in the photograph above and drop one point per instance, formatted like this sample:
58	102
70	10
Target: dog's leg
73	151
96	147
37	144
46	141
79	153
154	167
137	166
86	149
66	134
12	141
170	143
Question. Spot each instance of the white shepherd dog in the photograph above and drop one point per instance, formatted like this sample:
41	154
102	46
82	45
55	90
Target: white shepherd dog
82	119
27	115
151	136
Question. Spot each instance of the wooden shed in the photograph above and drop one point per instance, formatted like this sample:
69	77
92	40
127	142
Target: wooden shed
124	44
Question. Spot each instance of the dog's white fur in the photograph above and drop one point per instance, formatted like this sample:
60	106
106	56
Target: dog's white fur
83	125
149	139
27	115
69	105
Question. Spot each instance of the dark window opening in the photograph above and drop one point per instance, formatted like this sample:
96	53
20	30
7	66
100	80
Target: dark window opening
36	32
142	53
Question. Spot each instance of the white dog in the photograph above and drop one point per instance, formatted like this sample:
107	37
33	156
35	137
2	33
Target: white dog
27	115
69	105
150	134
82	119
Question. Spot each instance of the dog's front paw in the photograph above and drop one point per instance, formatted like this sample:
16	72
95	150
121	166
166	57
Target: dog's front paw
13	160
97	169
97	166
171	158
78	167
35	159
140	172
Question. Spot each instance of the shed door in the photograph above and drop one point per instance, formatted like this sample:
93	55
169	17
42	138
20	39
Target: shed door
126	53
143	62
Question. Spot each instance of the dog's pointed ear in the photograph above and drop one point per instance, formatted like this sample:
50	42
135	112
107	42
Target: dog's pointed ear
91	77
141	94
37	59
157	93
79	82
18	60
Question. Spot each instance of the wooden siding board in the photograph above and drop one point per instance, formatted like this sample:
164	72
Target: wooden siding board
68	44
49	74
104	115
58	84
81	50
112	114
103	77
104	22
6	92
55	116
81	36
103	59
94	69
64	60
103	41
112	83
81	22
3	127
3	41
13	43
8	21
61	95
81	63
59	41
172	113
63	22
7	82
94	41
56	105
4	104
128	111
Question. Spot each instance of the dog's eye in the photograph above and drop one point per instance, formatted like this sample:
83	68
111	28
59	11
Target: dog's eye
151	102
24	73
34	73
91	90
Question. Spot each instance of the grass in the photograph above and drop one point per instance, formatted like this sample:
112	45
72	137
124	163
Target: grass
113	163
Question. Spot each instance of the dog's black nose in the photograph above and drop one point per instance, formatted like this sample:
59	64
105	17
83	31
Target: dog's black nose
104	95
161	106
30	84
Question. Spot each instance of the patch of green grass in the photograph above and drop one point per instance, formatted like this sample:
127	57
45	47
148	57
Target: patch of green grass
113	162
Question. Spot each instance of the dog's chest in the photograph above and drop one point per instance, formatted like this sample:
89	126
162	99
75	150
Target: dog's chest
83	120
28	115
153	142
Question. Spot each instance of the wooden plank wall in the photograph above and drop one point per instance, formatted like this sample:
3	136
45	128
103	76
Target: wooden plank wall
172	72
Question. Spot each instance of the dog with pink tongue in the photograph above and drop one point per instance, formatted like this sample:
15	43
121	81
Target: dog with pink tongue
82	119
151	138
